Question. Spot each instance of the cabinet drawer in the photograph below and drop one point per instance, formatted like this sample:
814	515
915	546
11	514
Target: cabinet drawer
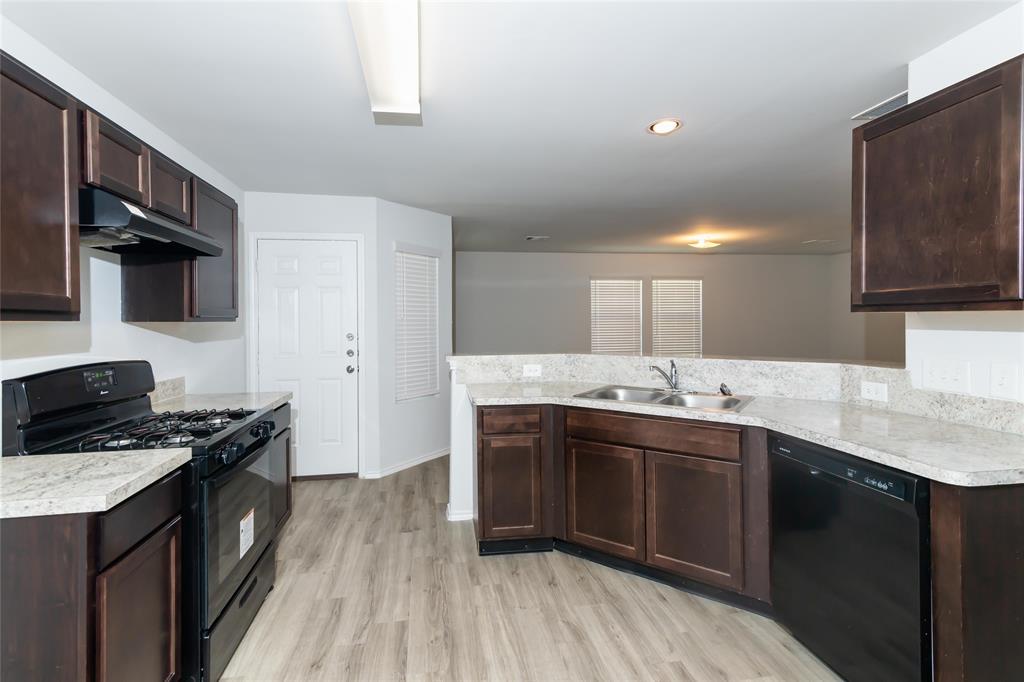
511	420
127	524
719	442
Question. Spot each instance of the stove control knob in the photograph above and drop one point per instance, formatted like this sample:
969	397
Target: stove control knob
261	430
230	452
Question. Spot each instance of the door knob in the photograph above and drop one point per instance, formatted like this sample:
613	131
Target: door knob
350	369
350	336
350	352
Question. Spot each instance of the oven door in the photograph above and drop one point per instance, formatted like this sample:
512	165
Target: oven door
237	517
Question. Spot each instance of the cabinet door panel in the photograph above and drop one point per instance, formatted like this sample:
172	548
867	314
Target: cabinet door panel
170	188
695	518
937	214
39	277
215	280
115	161
510	470
138	611
605	497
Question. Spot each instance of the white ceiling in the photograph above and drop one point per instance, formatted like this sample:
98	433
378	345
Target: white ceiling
533	112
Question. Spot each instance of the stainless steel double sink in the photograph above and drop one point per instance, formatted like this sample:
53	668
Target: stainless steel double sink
711	402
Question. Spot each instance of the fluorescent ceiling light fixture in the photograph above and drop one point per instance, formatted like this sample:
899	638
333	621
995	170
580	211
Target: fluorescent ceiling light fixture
665	126
704	244
388	37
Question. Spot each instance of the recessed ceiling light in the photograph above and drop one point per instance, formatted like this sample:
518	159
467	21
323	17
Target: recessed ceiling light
665	126
704	244
536	237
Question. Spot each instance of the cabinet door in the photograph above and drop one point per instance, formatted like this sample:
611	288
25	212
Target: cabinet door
115	161
215	280
138	611
605	490
695	518
170	188
38	198
936	208
510	499
281	475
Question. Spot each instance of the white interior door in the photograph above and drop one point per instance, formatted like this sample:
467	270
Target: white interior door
307	343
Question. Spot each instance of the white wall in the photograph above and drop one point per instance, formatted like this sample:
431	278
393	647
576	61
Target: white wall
979	353
394	435
210	355
754	305
413	430
874	337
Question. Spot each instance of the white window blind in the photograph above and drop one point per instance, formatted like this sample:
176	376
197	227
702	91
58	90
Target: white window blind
416	342
616	319
676	317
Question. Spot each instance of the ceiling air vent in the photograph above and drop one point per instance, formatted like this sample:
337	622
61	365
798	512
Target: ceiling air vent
882	108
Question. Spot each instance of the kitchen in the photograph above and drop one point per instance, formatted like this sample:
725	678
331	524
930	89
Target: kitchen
695	425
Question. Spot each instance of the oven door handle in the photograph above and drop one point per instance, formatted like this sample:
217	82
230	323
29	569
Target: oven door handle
255	453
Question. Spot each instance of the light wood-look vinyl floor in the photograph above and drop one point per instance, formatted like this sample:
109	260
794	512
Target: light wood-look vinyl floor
374	583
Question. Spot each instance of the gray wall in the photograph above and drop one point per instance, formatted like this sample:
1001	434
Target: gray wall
754	305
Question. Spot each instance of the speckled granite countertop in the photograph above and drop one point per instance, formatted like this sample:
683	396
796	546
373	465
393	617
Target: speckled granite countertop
43	485
945	452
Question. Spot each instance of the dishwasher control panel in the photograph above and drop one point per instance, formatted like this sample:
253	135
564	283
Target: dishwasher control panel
834	464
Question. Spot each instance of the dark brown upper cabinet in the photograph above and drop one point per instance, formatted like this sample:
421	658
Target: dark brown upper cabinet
38	198
167	289
115	160
170	191
936	200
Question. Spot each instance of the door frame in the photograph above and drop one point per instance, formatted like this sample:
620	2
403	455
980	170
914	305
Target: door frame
252	316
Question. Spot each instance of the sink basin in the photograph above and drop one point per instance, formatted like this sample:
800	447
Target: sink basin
626	393
706	401
712	402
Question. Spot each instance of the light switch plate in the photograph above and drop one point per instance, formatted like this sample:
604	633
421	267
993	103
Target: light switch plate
874	390
1005	380
532	370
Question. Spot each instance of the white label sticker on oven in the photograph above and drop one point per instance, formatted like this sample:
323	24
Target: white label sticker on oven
245	533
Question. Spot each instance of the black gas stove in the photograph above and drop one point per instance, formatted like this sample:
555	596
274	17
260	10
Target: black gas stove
228	510
191	428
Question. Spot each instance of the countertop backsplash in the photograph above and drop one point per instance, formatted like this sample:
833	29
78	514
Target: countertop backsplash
168	389
809	380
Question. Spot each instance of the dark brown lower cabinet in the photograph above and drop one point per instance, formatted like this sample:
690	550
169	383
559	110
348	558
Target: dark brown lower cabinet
605	497
695	517
138	611
94	596
510	503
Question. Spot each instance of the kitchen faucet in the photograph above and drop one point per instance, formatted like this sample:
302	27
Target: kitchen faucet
672	376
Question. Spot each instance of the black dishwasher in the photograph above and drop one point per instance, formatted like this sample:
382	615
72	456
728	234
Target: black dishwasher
850	567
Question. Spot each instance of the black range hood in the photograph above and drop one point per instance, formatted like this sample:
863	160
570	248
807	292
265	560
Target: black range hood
110	223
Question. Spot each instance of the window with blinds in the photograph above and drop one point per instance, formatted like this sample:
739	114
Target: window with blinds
676	317
416	340
616	317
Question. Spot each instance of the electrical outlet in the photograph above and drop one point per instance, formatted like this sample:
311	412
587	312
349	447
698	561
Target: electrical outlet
873	390
1005	380
532	370
947	374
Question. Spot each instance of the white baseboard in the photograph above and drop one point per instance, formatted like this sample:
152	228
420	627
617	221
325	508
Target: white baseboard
401	466
458	515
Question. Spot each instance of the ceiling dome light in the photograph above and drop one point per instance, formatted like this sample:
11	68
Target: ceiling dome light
704	244
665	126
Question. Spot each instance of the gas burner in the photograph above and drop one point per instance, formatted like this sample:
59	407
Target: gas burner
177	439
109	441
213	420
